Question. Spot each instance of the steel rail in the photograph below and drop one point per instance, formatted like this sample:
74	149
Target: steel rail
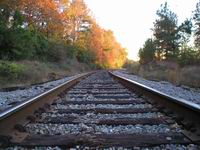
187	112
19	113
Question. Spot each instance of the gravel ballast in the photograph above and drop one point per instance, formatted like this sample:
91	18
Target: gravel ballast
7	99
62	129
161	147
108	106
92	123
105	116
183	92
129	129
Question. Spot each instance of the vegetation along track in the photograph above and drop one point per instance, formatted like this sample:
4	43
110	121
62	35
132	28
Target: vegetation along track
101	111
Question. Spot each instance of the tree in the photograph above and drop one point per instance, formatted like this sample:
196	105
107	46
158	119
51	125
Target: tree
4	22
17	42
188	55
113	53
166	33
185	31
197	25
95	42
77	19
108	52
43	15
147	53
54	30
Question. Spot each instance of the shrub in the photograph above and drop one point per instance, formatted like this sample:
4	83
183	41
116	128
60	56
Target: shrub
56	52
11	70
189	56
18	42
85	56
71	51
132	66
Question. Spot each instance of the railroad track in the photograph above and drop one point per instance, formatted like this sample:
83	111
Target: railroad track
101	110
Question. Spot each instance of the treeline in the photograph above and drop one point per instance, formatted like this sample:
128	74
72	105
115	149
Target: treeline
171	41
55	30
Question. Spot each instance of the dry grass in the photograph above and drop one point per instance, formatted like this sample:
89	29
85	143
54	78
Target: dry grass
37	72
170	71
190	76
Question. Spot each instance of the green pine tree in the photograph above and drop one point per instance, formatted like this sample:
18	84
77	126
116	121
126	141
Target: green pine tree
166	33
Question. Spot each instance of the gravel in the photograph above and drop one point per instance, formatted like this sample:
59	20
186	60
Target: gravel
173	147
7	99
105	116
90	97
115	85
93	106
63	129
35	148
97	91
184	92
160	147
161	128
83	128
53	129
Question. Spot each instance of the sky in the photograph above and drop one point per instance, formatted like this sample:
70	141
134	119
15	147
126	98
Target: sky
132	20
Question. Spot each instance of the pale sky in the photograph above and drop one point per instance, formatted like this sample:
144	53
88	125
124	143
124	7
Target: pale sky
132	20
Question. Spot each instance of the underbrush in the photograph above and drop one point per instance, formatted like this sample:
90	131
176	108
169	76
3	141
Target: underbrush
133	67
20	73
11	70
168	71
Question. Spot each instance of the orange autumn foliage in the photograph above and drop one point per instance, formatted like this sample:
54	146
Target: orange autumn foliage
70	22
109	53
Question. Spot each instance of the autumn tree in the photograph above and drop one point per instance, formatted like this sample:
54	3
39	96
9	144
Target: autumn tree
77	19
109	53
53	30
43	15
95	42
113	53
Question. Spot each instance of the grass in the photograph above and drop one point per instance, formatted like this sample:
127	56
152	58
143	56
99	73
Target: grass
30	72
168	71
